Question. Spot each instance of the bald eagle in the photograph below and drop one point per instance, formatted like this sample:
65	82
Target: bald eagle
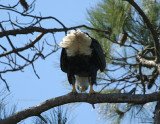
81	58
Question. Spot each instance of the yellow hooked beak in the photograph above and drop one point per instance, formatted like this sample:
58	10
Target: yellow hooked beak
81	89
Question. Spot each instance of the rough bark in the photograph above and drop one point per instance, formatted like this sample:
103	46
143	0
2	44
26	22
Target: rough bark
83	97
148	63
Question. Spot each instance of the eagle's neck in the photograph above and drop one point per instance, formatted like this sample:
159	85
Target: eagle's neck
77	43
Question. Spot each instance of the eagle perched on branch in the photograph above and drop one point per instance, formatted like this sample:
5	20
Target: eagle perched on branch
81	58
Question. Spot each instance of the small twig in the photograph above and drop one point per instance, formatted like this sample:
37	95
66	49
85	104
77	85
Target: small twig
7	37
3	48
35	71
5	82
132	91
41	117
93	106
139	109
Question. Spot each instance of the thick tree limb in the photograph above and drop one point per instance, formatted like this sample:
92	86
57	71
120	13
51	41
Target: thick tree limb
149	25
148	63
83	97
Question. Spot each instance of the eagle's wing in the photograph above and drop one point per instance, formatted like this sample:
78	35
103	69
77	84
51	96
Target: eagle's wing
98	54
63	60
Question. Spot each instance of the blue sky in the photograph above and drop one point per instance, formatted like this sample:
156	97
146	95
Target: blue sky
26	89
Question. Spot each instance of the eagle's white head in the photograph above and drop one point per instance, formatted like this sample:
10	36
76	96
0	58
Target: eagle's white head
82	83
77	42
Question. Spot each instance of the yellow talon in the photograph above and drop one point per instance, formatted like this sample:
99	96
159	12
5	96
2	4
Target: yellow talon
74	89
91	90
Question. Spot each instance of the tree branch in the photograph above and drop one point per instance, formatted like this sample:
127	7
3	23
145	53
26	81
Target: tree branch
148	63
28	30
31	44
83	97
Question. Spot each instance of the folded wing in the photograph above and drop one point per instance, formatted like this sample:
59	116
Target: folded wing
63	60
98	54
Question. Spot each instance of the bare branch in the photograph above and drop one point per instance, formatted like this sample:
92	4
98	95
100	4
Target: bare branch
25	47
35	71
28	30
4	82
83	97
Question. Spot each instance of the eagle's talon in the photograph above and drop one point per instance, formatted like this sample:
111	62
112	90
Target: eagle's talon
74	91
92	92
